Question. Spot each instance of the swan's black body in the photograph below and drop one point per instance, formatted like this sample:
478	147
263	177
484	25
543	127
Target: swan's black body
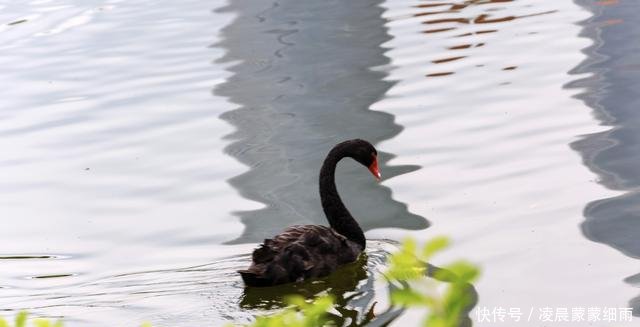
307	251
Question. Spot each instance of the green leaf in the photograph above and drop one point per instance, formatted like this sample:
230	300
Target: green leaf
21	319
434	246
42	323
301	313
465	271
295	300
406	297
404	265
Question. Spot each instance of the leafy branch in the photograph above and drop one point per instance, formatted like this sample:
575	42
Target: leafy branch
446	293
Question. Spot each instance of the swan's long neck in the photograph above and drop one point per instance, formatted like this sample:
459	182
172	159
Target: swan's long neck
339	217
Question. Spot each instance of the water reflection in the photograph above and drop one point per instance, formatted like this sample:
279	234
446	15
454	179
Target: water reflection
350	286
304	75
345	279
503	122
612	92
475	17
204	294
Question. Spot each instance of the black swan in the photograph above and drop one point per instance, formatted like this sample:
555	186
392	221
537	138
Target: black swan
307	251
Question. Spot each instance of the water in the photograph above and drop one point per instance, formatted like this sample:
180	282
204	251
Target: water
146	146
612	154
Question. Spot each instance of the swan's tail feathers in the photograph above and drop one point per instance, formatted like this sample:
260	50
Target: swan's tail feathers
264	253
250	278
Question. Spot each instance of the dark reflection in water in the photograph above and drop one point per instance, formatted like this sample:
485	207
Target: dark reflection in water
613	92
346	279
304	76
349	286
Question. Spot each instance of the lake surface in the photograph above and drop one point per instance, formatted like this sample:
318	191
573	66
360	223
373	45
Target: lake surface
147	146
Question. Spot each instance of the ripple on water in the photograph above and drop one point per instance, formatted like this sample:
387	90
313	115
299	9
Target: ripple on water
32	256
208	293
481	93
466	97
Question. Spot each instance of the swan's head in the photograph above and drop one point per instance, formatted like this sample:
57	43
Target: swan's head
364	153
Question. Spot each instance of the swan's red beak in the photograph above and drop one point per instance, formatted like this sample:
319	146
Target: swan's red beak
373	168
